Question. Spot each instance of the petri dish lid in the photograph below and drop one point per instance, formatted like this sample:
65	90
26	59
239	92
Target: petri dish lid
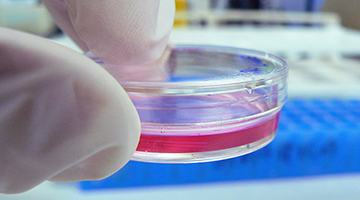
198	69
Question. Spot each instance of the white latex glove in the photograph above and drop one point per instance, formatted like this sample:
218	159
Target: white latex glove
62	116
121	32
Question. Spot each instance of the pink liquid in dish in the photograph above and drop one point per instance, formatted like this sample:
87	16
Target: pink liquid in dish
200	143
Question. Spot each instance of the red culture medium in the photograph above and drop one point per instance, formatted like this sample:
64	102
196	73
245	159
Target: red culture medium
211	142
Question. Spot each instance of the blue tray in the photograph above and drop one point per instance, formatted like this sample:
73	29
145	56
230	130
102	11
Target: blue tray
315	137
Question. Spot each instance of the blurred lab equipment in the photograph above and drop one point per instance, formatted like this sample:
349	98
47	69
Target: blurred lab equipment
349	11
221	13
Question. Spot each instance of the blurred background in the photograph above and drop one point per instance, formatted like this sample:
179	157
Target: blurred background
316	154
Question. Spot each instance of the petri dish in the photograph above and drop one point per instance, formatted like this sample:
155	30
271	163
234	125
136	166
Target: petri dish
205	103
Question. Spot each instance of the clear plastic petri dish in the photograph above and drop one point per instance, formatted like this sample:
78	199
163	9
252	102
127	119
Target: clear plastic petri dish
205	103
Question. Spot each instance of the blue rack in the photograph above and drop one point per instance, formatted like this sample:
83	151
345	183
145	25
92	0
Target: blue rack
315	137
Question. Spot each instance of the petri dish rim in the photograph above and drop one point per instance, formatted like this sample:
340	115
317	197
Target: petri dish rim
241	82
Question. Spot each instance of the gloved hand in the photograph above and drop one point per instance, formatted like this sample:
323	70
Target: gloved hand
62	116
